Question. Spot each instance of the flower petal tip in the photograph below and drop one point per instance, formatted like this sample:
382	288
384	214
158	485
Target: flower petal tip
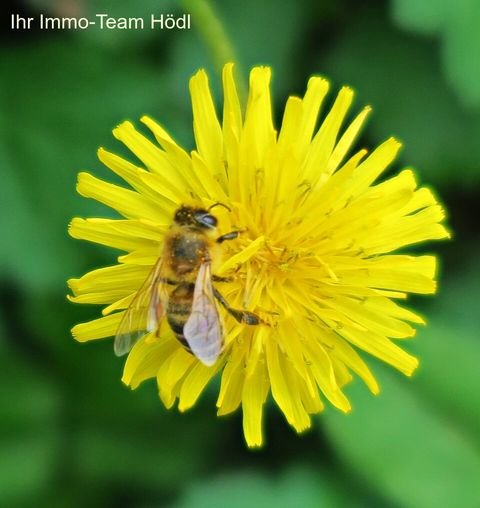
74	332
123	128
414	367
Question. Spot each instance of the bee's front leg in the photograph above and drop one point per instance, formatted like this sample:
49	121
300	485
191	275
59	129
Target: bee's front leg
228	236
219	278
242	316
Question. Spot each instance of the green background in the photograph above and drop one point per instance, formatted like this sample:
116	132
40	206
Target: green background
70	433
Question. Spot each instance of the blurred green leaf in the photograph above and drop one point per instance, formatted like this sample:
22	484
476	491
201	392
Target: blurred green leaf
449	348
449	375
26	238
254	36
426	17
299	485
27	467
404	448
266	33
144	455
29	430
35	401
46	138
459	283
456	22
401	78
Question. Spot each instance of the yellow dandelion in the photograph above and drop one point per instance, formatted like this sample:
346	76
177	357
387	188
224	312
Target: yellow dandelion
312	258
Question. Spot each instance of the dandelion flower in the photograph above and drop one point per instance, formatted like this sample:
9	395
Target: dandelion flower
315	257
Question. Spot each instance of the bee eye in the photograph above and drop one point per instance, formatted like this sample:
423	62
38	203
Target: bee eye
207	220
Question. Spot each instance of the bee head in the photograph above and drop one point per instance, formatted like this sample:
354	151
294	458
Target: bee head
199	217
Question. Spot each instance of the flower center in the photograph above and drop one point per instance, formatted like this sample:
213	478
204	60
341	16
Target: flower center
277	259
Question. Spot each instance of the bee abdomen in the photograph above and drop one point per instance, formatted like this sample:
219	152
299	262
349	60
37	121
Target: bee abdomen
177	328
179	310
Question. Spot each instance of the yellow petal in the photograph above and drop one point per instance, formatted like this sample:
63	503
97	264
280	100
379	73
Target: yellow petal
147	257
233	375
195	382
345	142
310	398
120	234
98	298
255	390
324	141
294	382
341	350
151	155
381	347
242	256
289	339
398	272
258	135
285	388
292	119
180	177
145	358
232	116
118	304
171	373
208	133
134	176
112	279
128	203
210	182
358	311
317	89
322	369
368	171
100	328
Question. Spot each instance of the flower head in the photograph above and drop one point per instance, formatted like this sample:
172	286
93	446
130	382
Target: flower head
314	258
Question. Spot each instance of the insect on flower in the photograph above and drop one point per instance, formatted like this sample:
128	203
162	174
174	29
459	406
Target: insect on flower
318	258
180	288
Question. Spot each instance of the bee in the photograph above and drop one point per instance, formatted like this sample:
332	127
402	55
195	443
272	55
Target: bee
180	289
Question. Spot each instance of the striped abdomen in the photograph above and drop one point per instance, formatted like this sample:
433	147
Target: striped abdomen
179	309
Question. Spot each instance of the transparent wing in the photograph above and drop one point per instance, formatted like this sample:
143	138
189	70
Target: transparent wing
203	329
144	312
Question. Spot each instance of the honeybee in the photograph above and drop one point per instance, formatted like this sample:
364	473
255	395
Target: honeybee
180	288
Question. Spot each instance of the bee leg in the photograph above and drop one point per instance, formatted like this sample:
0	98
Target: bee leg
219	204
228	236
242	316
219	278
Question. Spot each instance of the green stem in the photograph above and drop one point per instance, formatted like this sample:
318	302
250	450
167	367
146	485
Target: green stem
215	38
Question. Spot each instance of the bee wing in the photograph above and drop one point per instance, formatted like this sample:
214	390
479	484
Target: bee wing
203	329
144	312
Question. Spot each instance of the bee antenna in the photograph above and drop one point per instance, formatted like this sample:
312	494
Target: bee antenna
219	204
